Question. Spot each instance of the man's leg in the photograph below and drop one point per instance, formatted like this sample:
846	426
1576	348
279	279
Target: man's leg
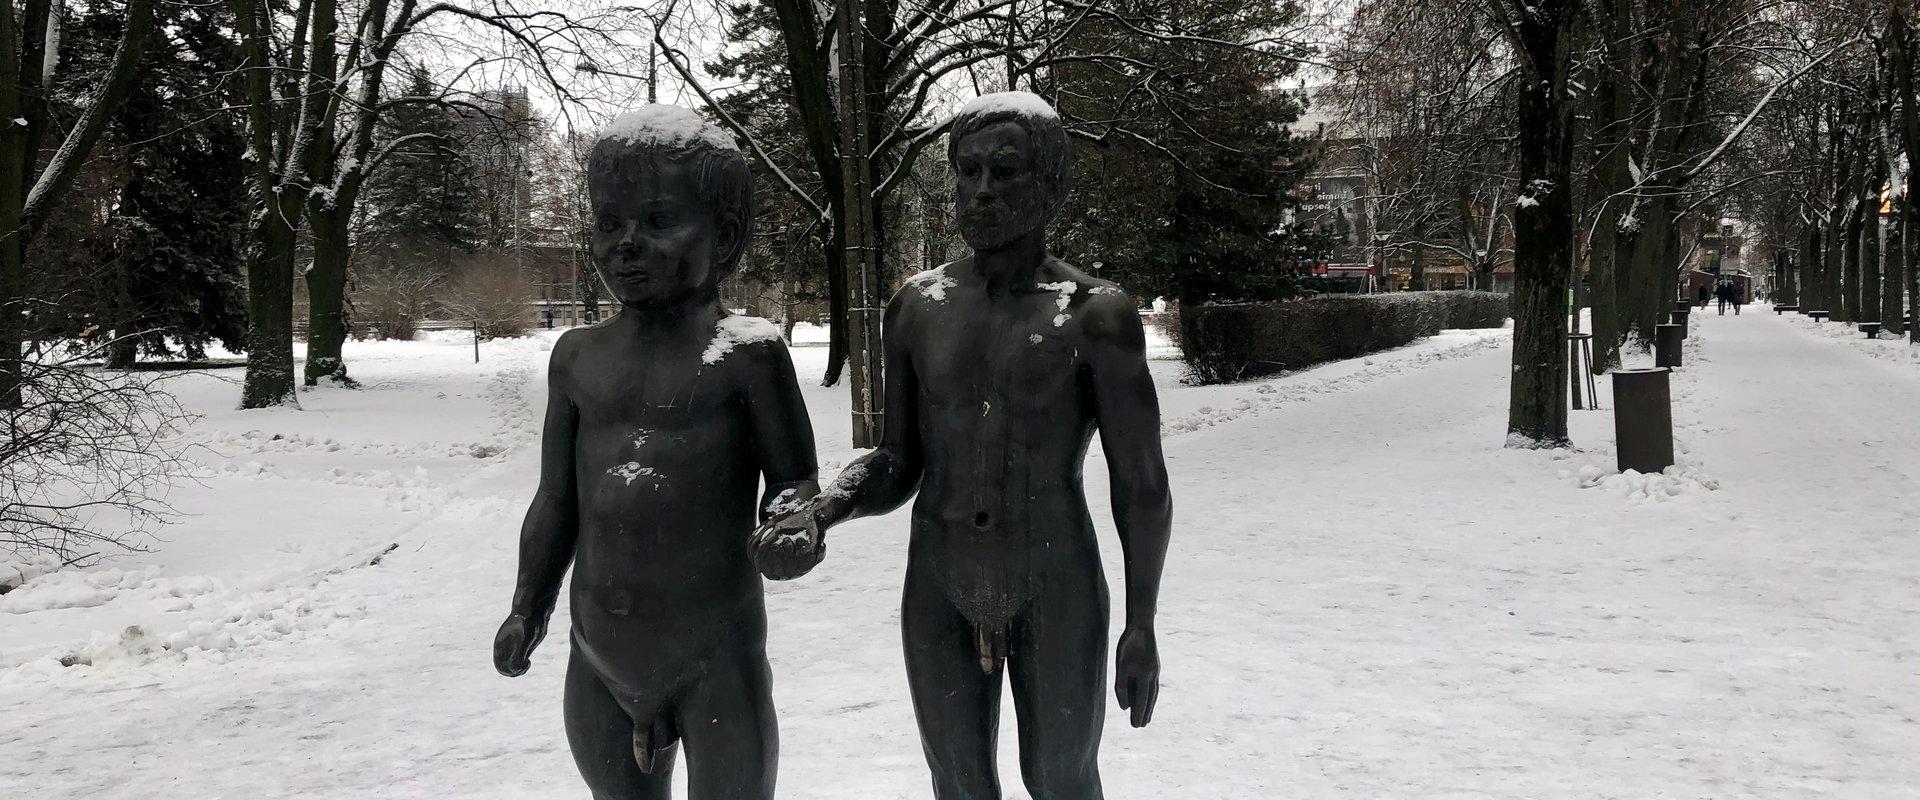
601	735
1059	669
957	705
727	721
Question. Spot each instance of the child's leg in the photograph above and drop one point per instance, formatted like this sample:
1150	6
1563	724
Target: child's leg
601	735
726	719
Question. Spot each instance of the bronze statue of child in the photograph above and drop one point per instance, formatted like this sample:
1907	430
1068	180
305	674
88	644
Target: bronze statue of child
661	423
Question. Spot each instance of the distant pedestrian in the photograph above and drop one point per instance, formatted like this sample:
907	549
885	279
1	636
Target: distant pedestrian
1700	297
1724	292
1739	299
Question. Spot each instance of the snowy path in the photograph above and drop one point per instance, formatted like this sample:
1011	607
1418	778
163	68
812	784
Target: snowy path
1366	598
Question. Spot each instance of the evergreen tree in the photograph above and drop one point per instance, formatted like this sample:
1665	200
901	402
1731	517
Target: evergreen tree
1187	194
146	250
178	222
422	207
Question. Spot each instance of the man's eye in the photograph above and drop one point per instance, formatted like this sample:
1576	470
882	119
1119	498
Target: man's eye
661	220
970	171
1003	171
609	225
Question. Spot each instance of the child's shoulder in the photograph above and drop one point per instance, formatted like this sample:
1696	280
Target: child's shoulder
739	337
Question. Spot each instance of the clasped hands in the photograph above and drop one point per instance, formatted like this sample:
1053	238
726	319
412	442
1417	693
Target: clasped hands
791	542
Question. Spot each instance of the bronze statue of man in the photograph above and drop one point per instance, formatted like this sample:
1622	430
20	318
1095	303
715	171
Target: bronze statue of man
999	369
661	423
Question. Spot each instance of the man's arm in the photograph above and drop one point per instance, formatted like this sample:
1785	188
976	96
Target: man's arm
792	542
548	534
880	481
1129	418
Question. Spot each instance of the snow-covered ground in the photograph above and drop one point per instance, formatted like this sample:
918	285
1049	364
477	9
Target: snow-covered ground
1367	596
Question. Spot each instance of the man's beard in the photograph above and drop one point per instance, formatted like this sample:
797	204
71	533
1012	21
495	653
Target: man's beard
995	227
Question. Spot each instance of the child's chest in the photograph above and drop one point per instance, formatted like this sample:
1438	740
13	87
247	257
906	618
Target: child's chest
652	405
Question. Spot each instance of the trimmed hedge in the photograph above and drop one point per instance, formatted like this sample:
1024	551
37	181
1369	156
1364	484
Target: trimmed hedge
1238	341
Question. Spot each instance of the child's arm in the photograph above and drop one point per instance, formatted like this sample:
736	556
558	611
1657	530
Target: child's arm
551	528
782	433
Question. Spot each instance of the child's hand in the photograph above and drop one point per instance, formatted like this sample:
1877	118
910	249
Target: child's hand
789	545
513	645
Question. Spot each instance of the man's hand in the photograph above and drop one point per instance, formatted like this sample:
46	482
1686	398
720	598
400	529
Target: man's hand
789	545
1137	674
513	645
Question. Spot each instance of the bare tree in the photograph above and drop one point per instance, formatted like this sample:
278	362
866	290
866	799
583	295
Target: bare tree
313	111
89	457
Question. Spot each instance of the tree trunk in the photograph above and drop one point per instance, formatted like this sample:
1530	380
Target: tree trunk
1600	293
269	380
1543	227
1872	271
124	348
1652	259
26	196
862	241
16	155
1893	283
1850	264
1900	55
327	322
1808	284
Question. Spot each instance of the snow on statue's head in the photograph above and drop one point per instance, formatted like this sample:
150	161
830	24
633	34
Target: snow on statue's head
672	205
1010	159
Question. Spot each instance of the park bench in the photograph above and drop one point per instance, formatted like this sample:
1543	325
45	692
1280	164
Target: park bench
1871	329
1778	310
1818	316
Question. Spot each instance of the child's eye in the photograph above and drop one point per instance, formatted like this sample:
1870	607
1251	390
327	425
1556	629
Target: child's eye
609	225
1003	171
661	220
970	171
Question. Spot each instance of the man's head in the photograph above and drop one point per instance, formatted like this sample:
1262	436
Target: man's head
672	206
1010	159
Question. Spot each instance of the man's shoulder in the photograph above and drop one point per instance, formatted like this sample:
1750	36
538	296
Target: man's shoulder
927	286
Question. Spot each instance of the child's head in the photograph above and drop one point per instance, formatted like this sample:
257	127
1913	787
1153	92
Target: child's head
672	206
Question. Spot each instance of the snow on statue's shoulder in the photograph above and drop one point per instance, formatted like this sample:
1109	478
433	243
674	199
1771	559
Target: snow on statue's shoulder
1026	104
671	127
933	283
735	330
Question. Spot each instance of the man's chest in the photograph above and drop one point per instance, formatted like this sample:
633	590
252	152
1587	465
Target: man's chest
1024	355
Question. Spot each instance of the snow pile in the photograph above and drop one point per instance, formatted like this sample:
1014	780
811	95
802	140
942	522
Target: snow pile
933	283
735	330
1598	470
1026	104
17	570
76	589
667	127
